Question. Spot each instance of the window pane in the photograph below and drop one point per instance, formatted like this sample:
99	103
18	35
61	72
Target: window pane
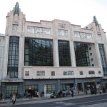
64	53
13	57
39	52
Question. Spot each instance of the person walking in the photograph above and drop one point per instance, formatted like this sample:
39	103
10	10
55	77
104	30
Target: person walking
13	98
72	91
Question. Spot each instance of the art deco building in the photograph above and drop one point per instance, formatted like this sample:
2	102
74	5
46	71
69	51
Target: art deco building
51	55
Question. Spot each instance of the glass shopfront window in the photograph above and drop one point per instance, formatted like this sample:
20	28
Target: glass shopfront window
38	52
82	54
10	90
64	53
13	57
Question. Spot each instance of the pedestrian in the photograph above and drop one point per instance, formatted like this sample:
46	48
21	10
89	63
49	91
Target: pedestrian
100	91
13	98
38	94
72	91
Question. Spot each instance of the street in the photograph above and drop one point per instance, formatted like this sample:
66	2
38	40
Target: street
92	101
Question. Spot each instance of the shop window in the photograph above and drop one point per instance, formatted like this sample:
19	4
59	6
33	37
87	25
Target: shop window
64	53
50	88
38	52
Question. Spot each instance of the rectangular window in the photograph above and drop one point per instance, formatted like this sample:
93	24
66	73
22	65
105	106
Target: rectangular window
64	53
88	35
30	29
13	57
82	54
38	30
91	72
81	72
68	73
82	35
40	73
11	89
52	73
26	73
62	32
65	73
38	52
77	34
14	27
99	72
103	58
47	31
50	88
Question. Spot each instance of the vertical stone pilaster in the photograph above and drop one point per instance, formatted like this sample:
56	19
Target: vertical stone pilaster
4	73
21	57
45	94
83	87
98	55
73	59
55	53
105	49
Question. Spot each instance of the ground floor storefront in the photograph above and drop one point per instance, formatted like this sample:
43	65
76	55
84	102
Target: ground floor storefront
46	86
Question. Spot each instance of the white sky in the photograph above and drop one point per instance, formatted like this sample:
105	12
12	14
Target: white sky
78	12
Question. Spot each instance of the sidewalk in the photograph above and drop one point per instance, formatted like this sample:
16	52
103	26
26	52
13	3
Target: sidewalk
36	99
43	100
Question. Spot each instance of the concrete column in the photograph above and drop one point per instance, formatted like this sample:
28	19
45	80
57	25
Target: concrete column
105	49
4	72
98	55
21	57
55	53
73	59
2	50
45	94
83	87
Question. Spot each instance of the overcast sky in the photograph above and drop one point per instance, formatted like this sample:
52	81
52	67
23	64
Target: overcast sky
78	12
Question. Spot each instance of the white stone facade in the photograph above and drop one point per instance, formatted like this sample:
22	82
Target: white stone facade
55	30
55	25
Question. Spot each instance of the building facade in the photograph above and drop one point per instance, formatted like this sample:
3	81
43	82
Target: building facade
50	55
